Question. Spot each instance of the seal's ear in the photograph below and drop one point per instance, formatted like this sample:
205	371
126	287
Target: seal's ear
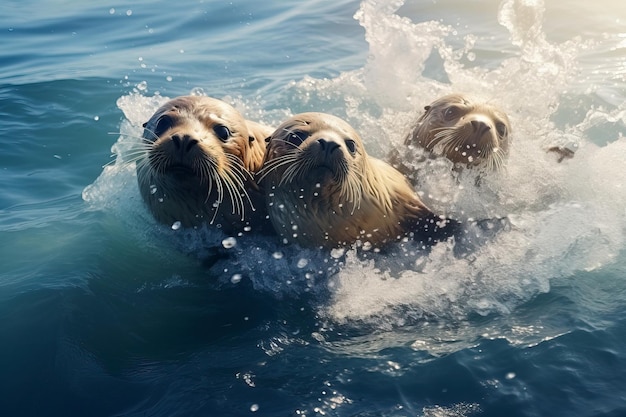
144	125
427	108
267	139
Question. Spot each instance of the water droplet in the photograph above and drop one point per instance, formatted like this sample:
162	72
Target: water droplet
235	279
317	336
153	189
510	375
129	12
229	242
199	91
302	262
176	225
254	408
277	255
96	118
111	10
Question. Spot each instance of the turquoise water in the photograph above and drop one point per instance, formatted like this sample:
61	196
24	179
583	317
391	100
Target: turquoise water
105	313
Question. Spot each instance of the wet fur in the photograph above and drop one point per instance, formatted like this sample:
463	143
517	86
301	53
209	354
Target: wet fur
196	165
468	133
323	190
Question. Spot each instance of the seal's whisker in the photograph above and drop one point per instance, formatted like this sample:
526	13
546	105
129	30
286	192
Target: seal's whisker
151	132
218	200
271	165
236	173
134	156
275	164
231	190
290	173
207	174
496	160
159	161
236	163
243	193
235	177
297	146
440	133
112	162
141	139
298	167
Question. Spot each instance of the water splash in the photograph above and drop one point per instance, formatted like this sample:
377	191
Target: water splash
565	218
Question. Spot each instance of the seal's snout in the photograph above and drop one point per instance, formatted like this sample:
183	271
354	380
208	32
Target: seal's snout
327	147
480	127
466	133
184	144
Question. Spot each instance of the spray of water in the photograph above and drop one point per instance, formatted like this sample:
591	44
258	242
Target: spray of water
565	217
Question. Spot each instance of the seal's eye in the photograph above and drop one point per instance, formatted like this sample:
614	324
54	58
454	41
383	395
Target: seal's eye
451	113
501	128
222	132
351	145
297	137
163	125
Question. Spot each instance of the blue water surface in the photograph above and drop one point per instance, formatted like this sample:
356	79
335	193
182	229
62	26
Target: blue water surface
103	312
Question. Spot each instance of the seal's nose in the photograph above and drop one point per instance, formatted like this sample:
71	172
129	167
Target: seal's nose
480	127
327	146
184	144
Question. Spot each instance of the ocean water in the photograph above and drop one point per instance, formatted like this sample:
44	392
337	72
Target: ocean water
103	312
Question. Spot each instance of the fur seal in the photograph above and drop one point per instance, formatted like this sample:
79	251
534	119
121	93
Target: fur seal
196	165
323	190
468	133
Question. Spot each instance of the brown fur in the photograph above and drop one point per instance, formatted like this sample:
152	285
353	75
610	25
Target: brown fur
323	190
468	133
197	163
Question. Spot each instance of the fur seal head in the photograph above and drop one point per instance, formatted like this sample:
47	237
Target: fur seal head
466	132
323	190
196	163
